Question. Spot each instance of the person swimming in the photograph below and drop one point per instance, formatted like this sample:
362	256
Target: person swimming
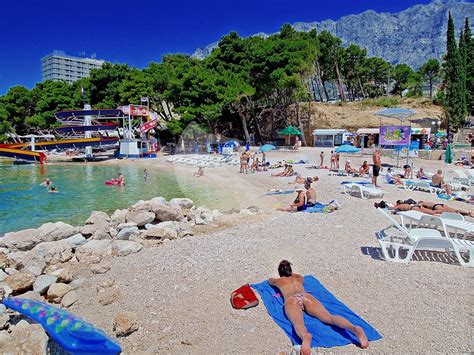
46	183
298	301
53	190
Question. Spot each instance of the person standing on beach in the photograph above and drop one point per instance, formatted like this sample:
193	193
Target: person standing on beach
298	301
333	160
338	156
321	157
377	166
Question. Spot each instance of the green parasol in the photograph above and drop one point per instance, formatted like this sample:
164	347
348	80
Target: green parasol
448	154
290	130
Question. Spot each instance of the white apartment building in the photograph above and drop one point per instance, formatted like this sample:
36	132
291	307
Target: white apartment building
59	66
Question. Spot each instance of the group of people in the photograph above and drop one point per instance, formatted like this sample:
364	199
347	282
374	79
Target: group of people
430	208
250	163
363	170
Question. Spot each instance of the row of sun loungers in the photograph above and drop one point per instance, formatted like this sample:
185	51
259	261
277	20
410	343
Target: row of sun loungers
398	243
204	161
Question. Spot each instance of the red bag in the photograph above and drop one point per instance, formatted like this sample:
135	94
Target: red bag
244	298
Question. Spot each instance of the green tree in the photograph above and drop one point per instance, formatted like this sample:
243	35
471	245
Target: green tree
401	76
469	42
455	99
105	85
430	72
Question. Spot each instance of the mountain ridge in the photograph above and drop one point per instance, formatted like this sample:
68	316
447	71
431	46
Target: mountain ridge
411	36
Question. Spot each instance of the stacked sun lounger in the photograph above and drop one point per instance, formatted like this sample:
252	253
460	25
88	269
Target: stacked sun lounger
204	161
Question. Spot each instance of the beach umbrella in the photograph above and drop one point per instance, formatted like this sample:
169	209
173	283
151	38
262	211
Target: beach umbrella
395	112
290	130
346	148
267	147
441	134
448	154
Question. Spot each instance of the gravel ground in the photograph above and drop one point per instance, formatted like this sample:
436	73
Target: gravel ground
180	290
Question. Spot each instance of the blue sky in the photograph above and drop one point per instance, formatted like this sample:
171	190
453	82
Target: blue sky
138	32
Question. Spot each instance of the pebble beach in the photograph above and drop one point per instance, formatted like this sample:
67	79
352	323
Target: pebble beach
178	289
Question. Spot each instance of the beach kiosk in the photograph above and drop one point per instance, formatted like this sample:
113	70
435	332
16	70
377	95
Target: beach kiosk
329	137
368	137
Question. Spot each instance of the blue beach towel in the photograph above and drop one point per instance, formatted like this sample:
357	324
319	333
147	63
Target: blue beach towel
318	208
356	182
325	336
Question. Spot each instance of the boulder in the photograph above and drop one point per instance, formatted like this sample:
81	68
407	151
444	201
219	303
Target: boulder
69	299
57	291
43	282
140	217
125	247
165	212
125	323
102	234
125	233
183	230
160	232
246	212
113	232
157	200
200	221
4	318
90	229
3	260
75	284
208	217
253	209
119	216
22	240
27	261
20	282
63	275
5	290
3	275
182	202
25	339
53	252
99	247
97	217
50	232
76	240
142	206
126	225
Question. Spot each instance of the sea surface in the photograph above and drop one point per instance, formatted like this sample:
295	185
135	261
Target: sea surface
25	204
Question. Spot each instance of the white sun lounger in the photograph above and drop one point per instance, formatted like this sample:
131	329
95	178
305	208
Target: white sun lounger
426	186
462	177
363	190
419	238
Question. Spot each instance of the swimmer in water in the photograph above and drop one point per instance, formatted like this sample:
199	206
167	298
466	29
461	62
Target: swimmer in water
53	190
46	183
145	175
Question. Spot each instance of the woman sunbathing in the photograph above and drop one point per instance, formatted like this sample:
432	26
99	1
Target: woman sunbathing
287	167
298	301
441	207
301	180
401	206
349	169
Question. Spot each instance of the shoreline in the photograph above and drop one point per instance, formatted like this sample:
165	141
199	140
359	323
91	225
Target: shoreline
179	289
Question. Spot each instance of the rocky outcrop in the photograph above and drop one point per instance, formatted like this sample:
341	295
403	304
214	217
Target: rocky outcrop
20	282
24	338
411	36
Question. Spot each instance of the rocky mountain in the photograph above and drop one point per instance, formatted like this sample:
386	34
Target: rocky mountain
411	36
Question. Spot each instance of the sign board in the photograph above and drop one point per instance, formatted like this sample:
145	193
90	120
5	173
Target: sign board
148	125
136	110
394	135
420	131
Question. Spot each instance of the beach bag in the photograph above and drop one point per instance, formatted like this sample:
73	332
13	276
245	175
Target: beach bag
243	298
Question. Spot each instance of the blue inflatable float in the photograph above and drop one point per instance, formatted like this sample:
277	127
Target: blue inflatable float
69	331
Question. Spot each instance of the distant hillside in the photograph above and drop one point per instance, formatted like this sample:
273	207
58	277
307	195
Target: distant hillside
411	36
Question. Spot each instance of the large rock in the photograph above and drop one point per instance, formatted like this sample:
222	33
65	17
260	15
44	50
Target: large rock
3	275
140	217
4	318
63	275
3	260
126	225
109	296
125	233
216	213
166	212
31	295
25	339
161	232
97	217
119	216
90	229
142	206
182	202
69	299
53	252
57	291
26	239
125	323
43	282
157	200
125	247
76	240
100	247
20	282
26	261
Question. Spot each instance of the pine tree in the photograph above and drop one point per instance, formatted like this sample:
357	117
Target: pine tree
462	71
455	97
469	43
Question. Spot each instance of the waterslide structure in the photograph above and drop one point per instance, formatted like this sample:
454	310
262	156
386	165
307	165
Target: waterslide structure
74	134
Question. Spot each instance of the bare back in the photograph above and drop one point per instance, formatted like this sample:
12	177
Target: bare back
290	285
437	179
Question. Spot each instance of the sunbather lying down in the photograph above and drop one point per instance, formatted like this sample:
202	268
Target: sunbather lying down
301	180
288	171
430	208
298	301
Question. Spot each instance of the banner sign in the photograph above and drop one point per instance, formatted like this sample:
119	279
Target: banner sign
394	135
136	110
148	125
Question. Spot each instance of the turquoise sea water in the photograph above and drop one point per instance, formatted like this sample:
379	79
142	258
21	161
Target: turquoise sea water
25	204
